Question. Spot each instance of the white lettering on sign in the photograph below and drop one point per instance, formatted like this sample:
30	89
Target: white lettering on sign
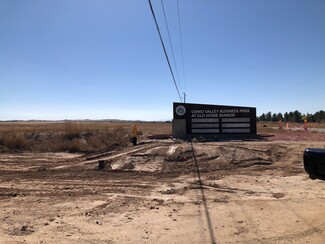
197	114
213	111
217	113
226	115
228	111
197	111
212	115
244	110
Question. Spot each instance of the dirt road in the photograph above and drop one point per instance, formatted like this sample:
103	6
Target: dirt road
164	192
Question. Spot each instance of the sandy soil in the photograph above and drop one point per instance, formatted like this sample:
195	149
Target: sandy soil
164	191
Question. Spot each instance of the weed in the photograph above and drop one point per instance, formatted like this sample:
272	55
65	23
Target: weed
75	145
72	130
14	141
73	136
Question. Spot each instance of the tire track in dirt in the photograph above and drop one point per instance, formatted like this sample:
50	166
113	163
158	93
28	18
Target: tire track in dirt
105	157
289	237
102	203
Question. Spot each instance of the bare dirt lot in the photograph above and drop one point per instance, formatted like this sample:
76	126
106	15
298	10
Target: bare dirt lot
164	191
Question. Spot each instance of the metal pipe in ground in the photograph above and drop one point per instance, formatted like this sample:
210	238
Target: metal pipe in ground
104	164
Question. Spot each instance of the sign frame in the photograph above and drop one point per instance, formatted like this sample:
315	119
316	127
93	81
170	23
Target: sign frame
213	120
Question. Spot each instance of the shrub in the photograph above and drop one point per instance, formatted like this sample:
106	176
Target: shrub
14	141
106	139
67	136
75	145
72	130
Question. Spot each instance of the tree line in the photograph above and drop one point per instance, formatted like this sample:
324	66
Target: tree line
294	116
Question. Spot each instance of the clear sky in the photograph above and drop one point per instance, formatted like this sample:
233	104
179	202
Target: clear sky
102	59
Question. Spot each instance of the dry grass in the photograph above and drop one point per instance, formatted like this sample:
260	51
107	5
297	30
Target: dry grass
87	126
72	136
87	136
15	141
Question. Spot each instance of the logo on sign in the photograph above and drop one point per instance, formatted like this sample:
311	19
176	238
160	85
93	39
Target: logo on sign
180	110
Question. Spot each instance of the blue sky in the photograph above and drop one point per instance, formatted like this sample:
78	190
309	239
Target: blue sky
102	59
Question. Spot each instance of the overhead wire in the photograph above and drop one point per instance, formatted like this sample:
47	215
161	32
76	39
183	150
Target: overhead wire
288	89
170	42
163	45
181	44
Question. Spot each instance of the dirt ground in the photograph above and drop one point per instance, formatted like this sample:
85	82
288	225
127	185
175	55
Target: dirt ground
164	191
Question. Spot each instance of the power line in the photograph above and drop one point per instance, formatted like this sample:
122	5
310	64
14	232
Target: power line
181	41
163	45
288	89
170	42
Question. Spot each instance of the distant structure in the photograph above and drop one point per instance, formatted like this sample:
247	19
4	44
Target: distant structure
213	121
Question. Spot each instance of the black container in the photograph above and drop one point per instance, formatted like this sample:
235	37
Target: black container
314	162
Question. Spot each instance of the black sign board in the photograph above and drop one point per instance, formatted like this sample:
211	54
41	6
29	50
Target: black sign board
216	119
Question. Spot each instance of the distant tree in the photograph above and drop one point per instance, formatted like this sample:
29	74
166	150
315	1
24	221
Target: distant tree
262	117
286	117
274	118
290	117
311	118
268	117
297	117
279	117
320	116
